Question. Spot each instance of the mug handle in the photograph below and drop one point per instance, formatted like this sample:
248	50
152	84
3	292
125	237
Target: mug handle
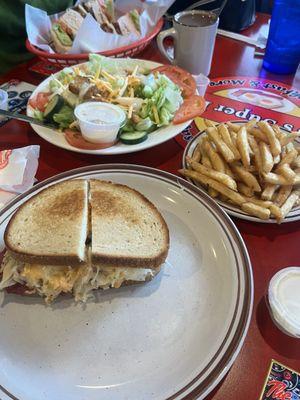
160	42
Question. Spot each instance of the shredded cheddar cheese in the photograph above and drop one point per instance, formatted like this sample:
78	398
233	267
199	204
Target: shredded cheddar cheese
135	70
108	76
155	114
123	88
130	110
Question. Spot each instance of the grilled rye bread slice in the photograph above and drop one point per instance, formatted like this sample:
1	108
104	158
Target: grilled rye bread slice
51	227
127	229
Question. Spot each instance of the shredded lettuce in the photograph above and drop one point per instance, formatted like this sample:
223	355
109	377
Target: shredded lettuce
66	75
65	117
37	114
144	125
128	127
165	95
96	62
135	16
173	99
112	66
59	82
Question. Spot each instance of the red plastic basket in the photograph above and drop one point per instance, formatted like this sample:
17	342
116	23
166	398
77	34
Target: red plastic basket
64	60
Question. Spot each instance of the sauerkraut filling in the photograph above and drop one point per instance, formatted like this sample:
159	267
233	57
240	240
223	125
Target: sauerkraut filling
50	280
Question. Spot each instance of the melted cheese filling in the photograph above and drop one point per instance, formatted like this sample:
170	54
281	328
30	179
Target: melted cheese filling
51	280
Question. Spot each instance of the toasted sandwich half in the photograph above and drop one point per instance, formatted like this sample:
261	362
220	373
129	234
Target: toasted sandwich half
77	236
46	241
130	238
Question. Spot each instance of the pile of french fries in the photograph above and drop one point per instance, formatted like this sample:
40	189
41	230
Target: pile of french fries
255	166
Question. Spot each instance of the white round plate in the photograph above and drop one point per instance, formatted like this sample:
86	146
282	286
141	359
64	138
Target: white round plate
172	338
57	138
294	214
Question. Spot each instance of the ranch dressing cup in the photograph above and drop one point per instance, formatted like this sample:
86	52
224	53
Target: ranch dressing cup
284	300
194	33
100	122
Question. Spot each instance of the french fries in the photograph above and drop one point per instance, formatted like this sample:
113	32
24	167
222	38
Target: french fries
234	127
279	134
225	135
283	194
256	211
276	212
215	159
256	152
296	162
235	197
272	139
286	171
243	146
258	202
212	192
268	191
220	144
289	157
197	153
288	205
204	157
245	190
275	179
247	177
258	134
266	157
288	138
276	159
218	176
208	122
255	166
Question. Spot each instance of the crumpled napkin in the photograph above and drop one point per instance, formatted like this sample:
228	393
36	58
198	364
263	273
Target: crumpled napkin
17	171
90	37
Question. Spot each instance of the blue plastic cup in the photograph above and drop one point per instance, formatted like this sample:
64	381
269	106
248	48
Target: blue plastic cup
283	48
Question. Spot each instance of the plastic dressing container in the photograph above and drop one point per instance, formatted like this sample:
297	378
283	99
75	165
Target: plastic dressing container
284	300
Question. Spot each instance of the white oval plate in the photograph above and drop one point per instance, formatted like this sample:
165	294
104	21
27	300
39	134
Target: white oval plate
293	215
172	338
155	138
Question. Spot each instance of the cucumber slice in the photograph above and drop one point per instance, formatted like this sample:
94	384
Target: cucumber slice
133	137
53	107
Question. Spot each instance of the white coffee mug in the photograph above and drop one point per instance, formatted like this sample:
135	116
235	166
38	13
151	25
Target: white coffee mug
194	34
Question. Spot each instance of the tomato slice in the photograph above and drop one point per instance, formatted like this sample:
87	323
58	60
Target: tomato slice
40	101
192	107
180	77
75	139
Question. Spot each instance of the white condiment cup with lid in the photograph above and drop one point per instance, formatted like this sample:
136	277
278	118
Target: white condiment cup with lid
100	122
284	300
